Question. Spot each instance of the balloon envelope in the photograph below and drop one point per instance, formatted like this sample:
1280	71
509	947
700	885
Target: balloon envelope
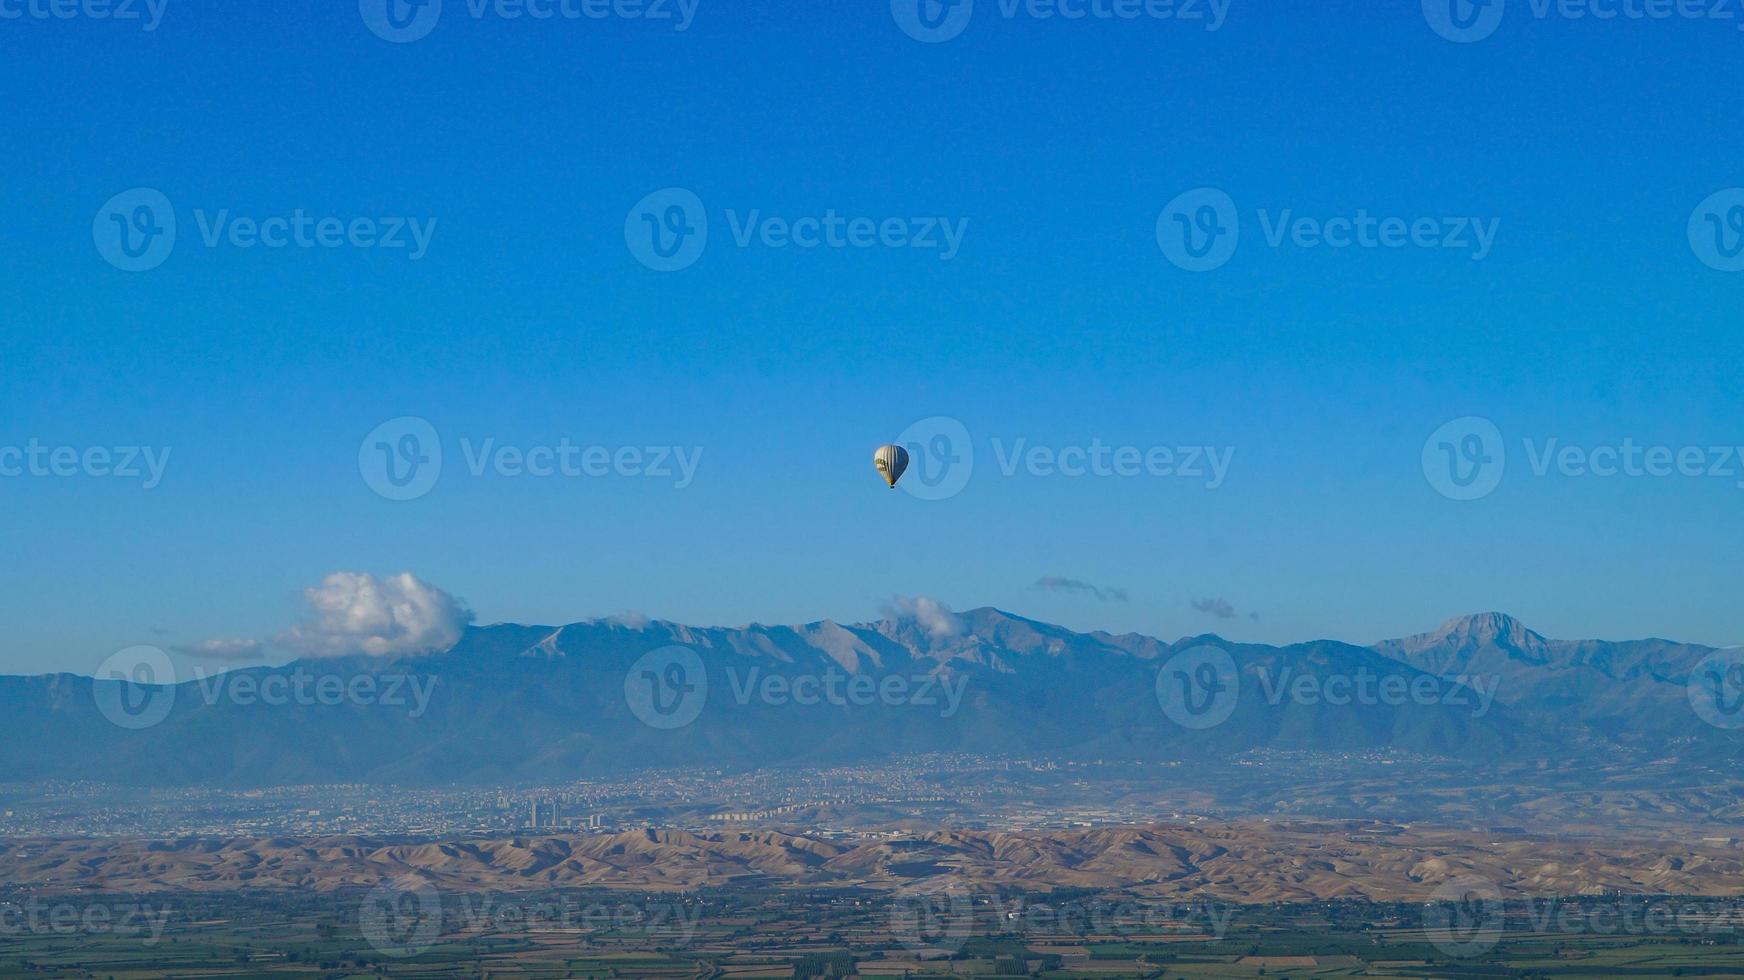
892	462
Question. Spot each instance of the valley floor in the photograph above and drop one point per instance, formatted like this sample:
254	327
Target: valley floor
749	933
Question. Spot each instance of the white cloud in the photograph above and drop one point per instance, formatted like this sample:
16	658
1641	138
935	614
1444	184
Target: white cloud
1060	583
355	612
1221	608
930	614
630	620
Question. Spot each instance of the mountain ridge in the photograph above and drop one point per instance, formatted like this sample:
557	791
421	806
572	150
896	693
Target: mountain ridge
524	703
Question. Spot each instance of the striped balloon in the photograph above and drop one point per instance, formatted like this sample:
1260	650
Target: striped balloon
892	462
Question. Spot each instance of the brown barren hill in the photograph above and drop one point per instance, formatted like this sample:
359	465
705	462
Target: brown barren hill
1219	862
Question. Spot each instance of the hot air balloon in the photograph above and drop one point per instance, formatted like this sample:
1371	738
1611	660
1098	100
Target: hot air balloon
892	462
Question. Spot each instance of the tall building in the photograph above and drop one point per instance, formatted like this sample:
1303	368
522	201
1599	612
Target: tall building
546	814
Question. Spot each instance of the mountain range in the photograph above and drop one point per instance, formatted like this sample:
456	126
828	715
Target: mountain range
514	704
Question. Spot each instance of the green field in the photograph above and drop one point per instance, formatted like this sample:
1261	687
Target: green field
751	933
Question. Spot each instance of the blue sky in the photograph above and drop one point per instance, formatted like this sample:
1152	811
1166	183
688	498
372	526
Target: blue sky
1053	144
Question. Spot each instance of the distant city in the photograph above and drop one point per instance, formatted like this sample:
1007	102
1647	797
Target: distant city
966	791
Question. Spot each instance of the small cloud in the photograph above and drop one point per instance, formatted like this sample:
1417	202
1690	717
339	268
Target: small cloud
1220	608
929	614
355	612
1057	583
227	648
630	619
